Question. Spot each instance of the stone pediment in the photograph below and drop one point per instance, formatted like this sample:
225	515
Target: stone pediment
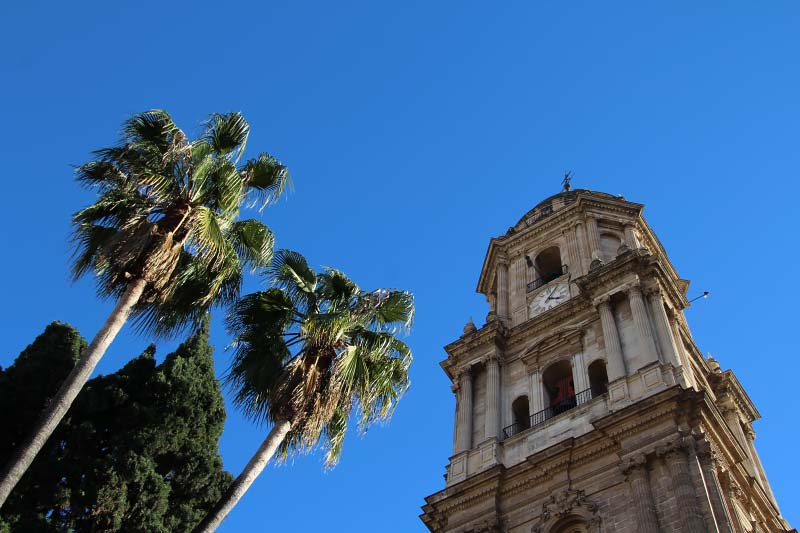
567	339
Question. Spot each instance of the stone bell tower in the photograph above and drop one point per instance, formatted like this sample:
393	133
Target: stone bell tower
583	404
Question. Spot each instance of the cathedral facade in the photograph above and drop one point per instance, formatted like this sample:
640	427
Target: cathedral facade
583	404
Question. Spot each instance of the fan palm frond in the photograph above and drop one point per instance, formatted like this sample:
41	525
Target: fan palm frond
316	349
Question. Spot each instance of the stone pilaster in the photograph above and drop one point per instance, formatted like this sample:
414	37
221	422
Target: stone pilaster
677	462
635	470
464	422
535	398
666	341
583	248
519	290
573	252
731	415
750	436
502	291
593	235
683	357
579	373
492	429
707	459
630	236
642	322
615	364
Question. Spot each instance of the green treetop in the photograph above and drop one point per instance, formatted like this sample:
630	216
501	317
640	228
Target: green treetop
137	450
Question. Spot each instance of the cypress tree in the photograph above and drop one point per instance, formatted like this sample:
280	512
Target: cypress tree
137	450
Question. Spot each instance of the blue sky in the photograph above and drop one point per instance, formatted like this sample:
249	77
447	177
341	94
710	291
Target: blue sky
415	131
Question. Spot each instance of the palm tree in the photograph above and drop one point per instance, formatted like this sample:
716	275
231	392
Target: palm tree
163	237
308	353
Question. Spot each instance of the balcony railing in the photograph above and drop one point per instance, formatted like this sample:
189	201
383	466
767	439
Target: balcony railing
545	211
554	410
547	278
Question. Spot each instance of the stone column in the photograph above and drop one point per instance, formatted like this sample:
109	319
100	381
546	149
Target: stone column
615	364
573	254
535	399
464	429
706	459
593	233
583	247
731	415
502	291
682	487
630	236
492	429
519	288
683	357
635	470
666	341
642	323
750	435
454	389
579	374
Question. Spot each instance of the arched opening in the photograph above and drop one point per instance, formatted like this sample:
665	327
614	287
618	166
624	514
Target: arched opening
598	378
571	525
548	264
559	387
609	246
521	412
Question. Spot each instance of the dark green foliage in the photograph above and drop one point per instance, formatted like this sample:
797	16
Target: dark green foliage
137	450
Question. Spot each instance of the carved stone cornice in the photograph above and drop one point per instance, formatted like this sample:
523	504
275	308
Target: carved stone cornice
731	393
462	353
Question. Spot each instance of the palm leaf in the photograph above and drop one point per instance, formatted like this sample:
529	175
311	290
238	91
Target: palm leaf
266	179
228	133
253	242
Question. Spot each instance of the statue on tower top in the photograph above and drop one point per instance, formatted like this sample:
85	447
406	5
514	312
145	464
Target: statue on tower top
566	181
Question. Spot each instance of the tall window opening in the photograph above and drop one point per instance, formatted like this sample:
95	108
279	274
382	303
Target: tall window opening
598	378
521	412
559	387
548	264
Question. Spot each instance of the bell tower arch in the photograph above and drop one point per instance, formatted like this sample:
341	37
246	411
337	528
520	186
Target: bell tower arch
583	403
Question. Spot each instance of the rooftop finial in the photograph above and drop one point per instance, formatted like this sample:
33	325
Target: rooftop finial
567	180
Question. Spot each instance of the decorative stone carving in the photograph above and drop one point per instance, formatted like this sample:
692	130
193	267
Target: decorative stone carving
567	503
490	525
470	327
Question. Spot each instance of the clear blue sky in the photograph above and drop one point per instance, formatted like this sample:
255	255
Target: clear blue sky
416	131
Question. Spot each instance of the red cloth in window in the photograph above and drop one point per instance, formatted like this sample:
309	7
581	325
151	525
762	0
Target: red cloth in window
566	390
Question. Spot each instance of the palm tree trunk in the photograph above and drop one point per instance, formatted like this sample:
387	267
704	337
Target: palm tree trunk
58	406
240	485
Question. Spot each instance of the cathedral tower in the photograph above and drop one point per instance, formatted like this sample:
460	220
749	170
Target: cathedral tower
583	404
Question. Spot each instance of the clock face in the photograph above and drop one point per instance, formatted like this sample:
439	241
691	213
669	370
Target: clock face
549	297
